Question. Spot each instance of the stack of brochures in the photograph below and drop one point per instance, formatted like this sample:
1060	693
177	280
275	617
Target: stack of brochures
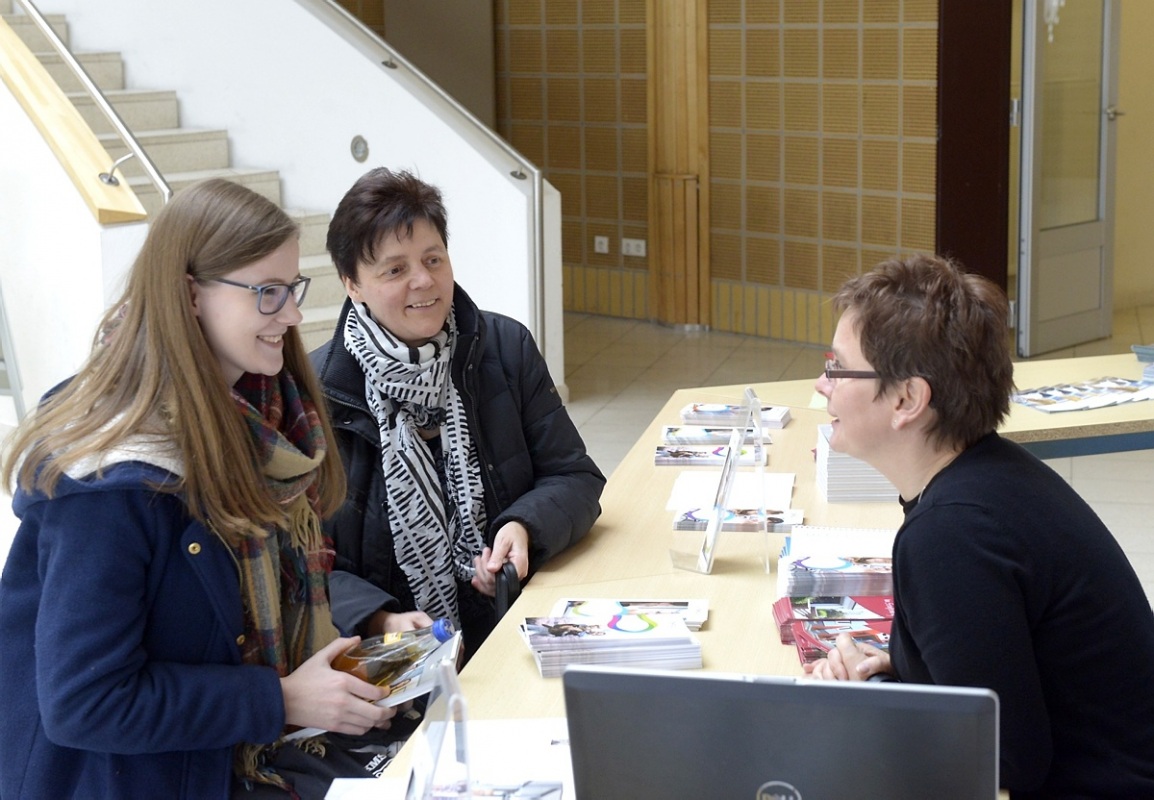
1098	393
632	640
812	624
817	561
705	455
638	633
714	414
845	479
740	519
706	434
693	612
832	581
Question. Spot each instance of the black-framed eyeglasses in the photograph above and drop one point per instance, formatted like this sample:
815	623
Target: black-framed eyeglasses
834	370
271	297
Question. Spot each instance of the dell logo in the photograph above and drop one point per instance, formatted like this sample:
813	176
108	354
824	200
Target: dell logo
777	790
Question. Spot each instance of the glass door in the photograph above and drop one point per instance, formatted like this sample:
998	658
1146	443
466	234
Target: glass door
1066	226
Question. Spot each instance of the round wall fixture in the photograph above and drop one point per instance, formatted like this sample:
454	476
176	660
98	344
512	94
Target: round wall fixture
359	148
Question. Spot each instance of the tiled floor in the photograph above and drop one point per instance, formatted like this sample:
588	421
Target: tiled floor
621	372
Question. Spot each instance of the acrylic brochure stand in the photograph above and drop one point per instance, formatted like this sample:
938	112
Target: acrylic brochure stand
440	746
701	558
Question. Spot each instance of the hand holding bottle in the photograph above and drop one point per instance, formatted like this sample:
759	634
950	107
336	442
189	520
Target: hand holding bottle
318	696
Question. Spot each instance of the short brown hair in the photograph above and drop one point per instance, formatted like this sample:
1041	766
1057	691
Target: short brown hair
381	202
926	317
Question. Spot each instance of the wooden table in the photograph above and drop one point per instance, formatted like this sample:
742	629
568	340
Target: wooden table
626	555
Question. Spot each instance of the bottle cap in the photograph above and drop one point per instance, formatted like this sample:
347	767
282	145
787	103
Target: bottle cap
443	629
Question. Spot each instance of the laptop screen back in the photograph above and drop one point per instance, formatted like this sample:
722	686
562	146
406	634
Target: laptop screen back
664	734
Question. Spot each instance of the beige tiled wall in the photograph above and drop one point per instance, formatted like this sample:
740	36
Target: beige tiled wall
571	97
822	152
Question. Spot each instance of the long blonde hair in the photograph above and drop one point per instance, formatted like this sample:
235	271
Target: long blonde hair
152	372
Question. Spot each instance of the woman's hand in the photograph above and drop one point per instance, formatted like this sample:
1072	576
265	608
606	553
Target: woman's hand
849	661
510	544
318	696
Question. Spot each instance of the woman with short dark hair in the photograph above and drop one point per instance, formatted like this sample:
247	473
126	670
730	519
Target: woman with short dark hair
1003	576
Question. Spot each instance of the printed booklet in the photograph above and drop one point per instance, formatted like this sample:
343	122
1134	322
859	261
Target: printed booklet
693	612
706	434
659	641
732	414
739	519
688	455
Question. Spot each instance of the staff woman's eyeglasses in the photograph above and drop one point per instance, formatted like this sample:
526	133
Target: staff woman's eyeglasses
834	370
271	297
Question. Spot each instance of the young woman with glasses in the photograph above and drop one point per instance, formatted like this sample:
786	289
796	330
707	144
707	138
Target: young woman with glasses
164	607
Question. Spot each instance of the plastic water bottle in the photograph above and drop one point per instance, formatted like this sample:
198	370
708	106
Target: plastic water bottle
380	659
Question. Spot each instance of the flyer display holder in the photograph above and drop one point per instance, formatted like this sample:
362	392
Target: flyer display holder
700	559
440	768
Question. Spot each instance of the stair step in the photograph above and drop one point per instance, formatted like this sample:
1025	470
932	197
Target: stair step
105	69
265	182
141	109
314	227
318	324
173	150
31	34
326	288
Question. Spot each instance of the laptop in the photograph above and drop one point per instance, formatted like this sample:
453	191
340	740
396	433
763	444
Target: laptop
666	734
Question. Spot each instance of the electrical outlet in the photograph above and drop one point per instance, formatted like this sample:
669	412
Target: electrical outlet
633	247
600	244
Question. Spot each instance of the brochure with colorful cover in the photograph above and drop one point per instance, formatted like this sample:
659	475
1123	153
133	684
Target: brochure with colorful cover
619	630
732	414
658	641
1097	393
705	434
815	638
739	519
689	455
789	612
693	612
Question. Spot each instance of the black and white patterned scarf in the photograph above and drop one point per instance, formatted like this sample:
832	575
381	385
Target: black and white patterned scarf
407	389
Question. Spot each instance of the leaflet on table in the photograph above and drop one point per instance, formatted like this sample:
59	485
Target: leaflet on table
619	630
818	560
815	638
1080	396
418	680
733	414
740	519
698	489
705	434
693	612
689	455
788	612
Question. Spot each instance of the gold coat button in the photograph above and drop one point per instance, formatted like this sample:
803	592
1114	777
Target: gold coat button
194	548
240	640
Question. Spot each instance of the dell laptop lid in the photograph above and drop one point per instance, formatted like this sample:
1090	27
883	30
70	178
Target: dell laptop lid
667	734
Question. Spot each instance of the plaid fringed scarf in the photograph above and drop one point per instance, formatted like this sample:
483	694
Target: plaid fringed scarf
283	575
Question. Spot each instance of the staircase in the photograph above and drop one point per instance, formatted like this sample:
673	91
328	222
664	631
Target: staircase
183	156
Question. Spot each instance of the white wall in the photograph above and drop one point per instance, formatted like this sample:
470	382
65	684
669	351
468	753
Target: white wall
59	268
293	94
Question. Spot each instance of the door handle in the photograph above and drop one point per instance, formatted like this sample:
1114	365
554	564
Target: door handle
1112	113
